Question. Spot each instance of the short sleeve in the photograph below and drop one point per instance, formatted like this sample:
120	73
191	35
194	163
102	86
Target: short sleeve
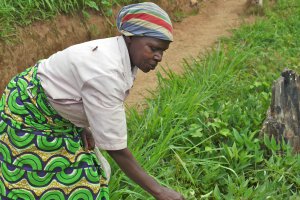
103	98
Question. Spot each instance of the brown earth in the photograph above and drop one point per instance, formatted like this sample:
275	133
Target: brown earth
193	35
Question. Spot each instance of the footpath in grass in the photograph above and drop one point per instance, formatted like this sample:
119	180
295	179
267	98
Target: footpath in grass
200	132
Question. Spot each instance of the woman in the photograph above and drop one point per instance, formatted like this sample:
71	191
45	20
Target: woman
53	114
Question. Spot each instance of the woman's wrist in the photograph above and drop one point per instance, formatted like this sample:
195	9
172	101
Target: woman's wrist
156	190
130	167
168	194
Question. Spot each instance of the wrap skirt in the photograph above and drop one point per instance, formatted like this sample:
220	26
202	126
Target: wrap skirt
41	153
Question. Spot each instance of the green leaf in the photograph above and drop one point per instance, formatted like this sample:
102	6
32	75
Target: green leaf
206	195
183	164
208	148
228	151
217	193
92	4
237	136
86	15
197	134
226	132
235	151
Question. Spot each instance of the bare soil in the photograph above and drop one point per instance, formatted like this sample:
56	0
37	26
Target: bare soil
193	36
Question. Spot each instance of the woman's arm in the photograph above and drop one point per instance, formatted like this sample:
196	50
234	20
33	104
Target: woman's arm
131	168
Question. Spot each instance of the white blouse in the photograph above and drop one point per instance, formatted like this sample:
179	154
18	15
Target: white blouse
87	84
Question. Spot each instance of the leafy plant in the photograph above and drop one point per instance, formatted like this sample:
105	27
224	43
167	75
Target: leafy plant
200	130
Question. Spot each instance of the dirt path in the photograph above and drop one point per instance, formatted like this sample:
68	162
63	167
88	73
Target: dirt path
192	37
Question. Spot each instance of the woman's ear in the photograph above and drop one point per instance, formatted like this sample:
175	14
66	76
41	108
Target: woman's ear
127	40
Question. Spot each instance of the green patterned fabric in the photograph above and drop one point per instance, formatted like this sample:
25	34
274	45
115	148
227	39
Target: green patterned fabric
41	153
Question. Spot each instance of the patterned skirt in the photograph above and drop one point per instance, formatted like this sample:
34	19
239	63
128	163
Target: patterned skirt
41	153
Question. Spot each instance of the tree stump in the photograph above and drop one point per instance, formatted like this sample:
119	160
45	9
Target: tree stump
283	117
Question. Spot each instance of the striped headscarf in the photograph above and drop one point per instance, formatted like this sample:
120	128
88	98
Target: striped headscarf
145	19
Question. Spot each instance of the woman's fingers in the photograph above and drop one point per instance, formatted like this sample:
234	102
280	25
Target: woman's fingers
84	140
90	140
87	139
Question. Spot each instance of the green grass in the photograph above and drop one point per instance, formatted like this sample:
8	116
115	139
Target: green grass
14	13
200	132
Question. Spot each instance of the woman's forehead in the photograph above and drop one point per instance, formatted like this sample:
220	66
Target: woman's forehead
155	41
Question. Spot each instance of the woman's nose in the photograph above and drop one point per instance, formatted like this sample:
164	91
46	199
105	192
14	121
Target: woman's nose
158	56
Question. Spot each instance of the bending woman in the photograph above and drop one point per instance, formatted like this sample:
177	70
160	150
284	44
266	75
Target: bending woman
52	114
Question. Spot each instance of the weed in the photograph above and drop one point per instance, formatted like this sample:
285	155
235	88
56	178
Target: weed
200	131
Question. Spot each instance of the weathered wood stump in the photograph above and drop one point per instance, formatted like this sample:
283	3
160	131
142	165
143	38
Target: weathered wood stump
283	117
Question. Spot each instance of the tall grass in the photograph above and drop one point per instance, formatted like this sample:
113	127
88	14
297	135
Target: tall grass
15	13
200	132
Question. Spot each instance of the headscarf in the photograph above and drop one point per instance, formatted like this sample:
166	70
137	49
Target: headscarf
145	19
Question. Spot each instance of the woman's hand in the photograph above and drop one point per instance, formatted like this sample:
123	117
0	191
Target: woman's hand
131	168
168	194
87	139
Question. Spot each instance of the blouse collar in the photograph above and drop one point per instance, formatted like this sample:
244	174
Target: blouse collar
129	74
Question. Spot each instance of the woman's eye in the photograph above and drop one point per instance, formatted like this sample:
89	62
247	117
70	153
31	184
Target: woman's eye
153	49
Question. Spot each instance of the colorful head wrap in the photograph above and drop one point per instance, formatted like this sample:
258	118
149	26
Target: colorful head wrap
145	19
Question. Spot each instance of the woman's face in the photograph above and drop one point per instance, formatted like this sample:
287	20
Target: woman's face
146	52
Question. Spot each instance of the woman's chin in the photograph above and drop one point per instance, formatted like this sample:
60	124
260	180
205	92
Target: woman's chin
145	69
